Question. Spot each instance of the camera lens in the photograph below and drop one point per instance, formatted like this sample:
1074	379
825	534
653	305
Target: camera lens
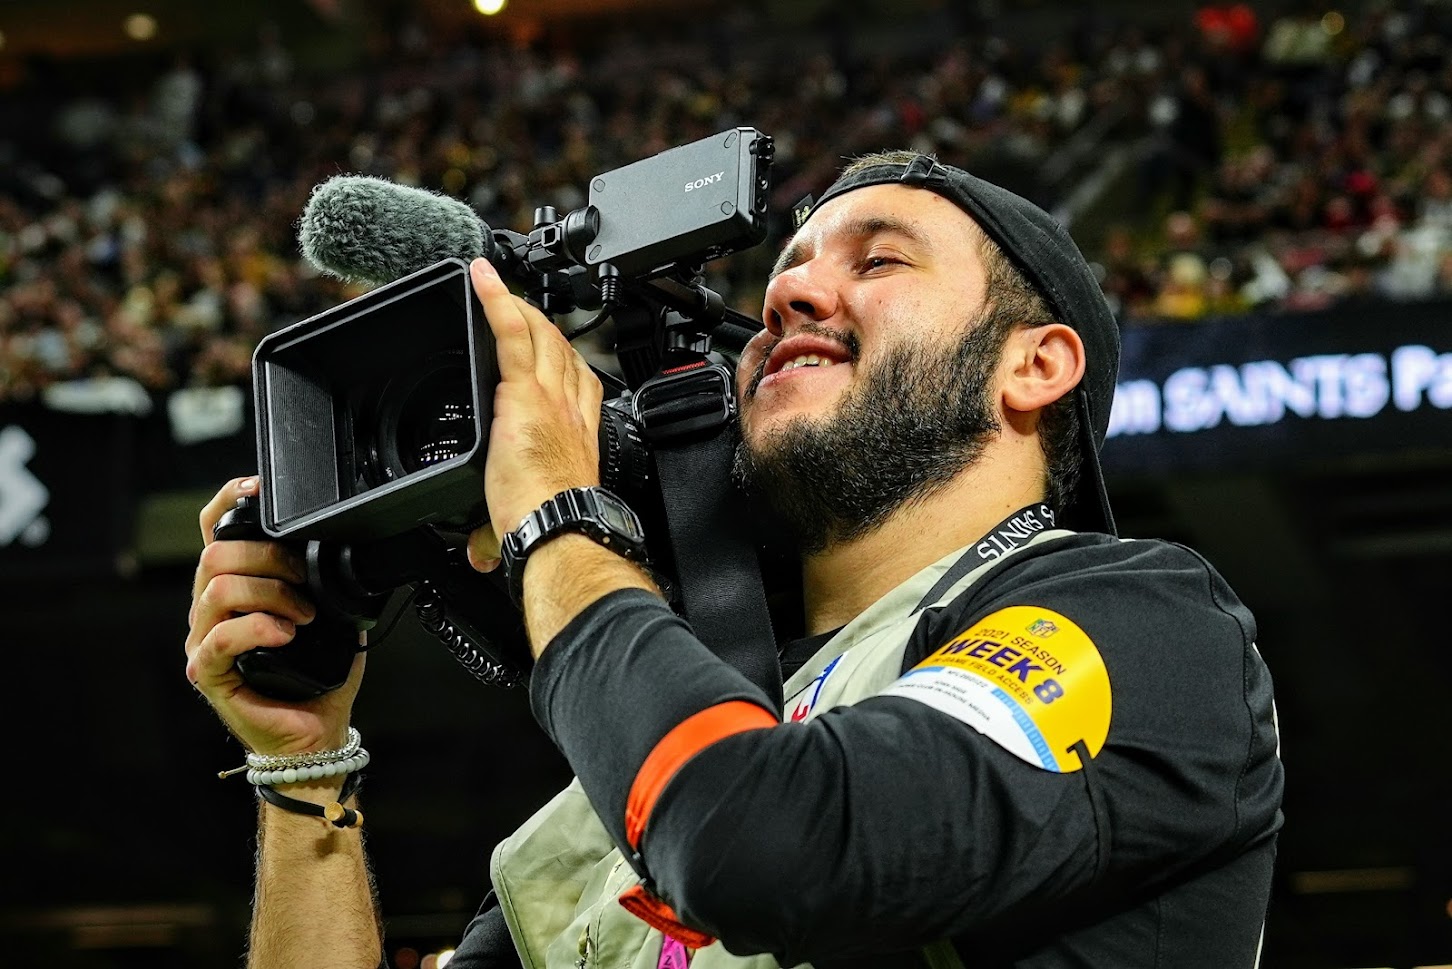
419	418
436	420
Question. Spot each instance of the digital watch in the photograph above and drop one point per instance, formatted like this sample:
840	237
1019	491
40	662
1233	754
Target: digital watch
592	511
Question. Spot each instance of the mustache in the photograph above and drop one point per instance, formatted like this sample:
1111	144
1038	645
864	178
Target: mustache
849	342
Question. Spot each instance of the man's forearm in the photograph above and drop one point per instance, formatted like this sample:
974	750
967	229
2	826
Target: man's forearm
315	906
567	574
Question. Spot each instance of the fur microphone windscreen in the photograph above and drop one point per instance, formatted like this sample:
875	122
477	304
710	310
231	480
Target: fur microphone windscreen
365	229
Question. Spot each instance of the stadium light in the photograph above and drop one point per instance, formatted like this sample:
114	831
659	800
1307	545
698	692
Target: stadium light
489	7
140	26
448	954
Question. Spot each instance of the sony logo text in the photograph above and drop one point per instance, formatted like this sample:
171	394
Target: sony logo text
703	182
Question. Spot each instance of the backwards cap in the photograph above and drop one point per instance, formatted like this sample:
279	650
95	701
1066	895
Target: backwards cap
1042	250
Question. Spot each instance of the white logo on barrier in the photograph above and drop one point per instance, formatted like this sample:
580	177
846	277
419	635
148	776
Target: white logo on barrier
22	495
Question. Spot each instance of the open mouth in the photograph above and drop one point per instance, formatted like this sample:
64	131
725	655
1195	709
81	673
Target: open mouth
800	355
798	367
807	360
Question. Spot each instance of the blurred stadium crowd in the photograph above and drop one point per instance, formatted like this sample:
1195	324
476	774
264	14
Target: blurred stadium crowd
146	237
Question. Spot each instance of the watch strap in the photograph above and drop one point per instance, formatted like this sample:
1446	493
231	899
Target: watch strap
577	510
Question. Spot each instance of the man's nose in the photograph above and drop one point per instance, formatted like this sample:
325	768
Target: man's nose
798	294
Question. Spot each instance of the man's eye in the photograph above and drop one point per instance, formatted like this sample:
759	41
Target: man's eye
877	262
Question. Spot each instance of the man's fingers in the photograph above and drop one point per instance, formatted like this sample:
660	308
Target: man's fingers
591	394
524	338
552	351
228	595
270	560
223	502
513	345
211	658
569	372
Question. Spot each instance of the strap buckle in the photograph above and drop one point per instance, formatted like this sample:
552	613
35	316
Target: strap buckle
685	400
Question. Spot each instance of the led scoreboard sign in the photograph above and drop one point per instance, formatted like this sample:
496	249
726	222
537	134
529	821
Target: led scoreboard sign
1265	390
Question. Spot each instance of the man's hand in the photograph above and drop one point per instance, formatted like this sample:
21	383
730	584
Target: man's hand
544	440
245	597
545	435
313	891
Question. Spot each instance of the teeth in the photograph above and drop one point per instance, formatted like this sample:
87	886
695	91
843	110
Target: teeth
808	360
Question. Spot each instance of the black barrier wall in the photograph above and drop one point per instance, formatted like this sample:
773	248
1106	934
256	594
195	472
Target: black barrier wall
1246	394
69	491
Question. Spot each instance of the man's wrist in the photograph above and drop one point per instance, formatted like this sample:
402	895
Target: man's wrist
565	576
321	791
591	511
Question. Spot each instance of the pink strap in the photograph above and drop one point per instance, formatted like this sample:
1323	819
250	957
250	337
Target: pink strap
672	955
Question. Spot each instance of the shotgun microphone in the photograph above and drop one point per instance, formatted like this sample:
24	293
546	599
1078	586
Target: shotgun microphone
365	229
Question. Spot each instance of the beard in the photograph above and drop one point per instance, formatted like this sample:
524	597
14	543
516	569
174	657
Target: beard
917	419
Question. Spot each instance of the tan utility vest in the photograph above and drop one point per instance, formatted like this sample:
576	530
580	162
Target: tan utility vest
559	876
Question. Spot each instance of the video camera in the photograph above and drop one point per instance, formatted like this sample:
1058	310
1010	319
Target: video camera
373	417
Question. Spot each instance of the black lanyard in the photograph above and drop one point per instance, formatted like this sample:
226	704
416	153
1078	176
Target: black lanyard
1014	532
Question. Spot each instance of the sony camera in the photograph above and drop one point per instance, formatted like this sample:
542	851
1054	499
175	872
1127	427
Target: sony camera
373	417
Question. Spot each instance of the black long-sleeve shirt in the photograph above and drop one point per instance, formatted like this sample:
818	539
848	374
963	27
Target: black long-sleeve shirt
878	828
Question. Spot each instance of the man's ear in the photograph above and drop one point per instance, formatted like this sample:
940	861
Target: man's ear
1041	364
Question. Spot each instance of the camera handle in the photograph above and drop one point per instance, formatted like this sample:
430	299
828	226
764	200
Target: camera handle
351	583
320	655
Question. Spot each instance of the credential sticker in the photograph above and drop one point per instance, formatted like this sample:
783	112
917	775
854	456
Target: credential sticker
1027	678
804	700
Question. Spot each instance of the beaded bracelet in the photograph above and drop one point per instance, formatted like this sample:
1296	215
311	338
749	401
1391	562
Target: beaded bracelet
291	775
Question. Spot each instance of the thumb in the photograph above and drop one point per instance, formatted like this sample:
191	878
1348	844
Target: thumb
483	549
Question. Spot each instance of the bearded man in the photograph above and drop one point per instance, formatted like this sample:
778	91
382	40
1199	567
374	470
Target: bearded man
1004	743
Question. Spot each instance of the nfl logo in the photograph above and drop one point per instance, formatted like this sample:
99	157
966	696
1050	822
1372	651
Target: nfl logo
1042	628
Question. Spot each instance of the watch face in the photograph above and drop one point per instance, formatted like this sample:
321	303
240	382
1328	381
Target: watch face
618	519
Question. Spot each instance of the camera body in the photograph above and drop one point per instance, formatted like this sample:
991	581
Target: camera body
373	417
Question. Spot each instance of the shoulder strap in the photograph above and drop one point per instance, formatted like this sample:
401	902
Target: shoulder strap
717	571
971	567
1027	526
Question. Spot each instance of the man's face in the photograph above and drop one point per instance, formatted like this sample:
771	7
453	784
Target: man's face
872	384
872	269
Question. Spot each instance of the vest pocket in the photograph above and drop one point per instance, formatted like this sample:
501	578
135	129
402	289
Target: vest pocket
609	937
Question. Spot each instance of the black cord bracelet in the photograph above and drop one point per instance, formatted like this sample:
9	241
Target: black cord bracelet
334	812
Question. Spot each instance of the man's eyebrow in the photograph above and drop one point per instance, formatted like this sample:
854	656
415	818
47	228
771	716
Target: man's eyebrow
863	227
